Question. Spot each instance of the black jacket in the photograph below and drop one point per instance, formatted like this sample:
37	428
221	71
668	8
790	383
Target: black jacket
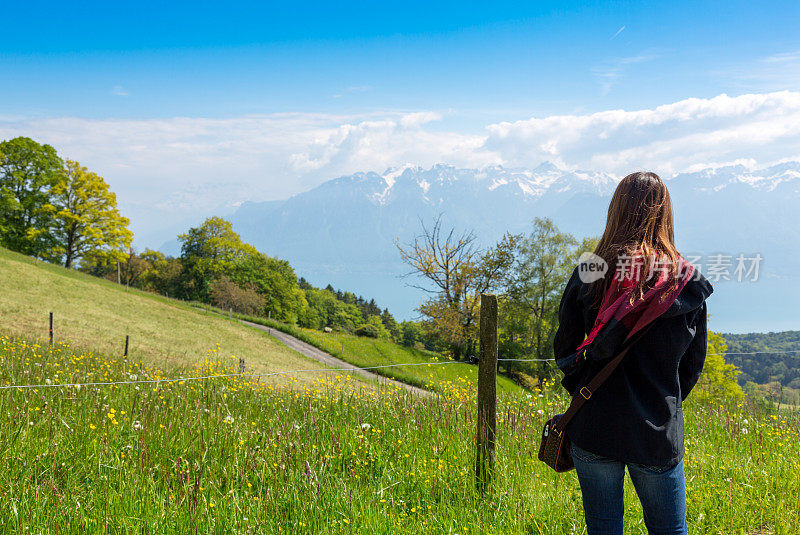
636	416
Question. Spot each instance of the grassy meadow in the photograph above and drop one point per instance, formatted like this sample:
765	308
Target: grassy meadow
226	455
96	314
364	352
320	452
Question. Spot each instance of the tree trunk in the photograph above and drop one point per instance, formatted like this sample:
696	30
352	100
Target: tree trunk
70	248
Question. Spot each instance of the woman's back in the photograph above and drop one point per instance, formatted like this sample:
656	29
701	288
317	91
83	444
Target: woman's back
635	417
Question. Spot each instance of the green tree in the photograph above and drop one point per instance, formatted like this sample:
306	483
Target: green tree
718	380
214	249
208	251
163	274
529	312
274	279
391	325
411	333
368	330
86	221
27	172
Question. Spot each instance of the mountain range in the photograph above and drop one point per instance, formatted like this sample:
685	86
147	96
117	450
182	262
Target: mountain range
343	231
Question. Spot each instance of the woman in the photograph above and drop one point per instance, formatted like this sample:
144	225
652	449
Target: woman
654	298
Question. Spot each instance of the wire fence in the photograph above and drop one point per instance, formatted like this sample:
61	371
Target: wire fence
309	370
224	375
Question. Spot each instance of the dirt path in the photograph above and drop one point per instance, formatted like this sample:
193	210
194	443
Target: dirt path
329	360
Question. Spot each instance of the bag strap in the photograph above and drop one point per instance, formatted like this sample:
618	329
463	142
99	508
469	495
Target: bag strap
586	392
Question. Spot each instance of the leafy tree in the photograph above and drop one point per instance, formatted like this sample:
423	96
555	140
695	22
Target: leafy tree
718	379
214	249
457	272
87	222
390	324
411	333
131	269
376	321
274	279
27	172
304	284
163	274
544	261
207	252
368	330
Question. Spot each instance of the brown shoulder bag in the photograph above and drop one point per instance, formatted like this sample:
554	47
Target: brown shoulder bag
554	448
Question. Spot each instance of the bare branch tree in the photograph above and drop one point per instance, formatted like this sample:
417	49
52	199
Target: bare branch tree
458	271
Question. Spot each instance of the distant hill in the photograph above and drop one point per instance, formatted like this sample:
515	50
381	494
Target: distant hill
777	357
342	232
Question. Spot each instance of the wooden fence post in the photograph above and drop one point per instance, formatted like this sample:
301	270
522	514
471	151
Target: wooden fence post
51	328
127	339
487	393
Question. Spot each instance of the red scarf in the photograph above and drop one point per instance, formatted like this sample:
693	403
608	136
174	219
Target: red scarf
617	305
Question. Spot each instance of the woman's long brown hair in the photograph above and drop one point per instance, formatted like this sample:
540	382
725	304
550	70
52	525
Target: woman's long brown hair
639	223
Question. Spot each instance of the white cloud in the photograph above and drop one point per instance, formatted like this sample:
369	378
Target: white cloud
610	72
164	170
119	91
669	138
169	169
353	89
784	57
780	71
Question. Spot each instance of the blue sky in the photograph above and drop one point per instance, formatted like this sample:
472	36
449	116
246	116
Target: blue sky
483	61
192	108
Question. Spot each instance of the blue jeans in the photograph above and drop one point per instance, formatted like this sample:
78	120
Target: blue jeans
662	491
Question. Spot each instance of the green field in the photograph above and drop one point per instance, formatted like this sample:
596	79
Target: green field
95	314
228	456
365	352
306	453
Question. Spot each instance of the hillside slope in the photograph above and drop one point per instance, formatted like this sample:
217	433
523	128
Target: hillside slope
96	314
376	353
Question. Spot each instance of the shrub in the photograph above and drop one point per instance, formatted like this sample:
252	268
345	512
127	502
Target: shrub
367	330
226	294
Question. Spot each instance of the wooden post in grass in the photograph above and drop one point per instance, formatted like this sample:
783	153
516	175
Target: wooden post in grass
127	339
51	328
487	393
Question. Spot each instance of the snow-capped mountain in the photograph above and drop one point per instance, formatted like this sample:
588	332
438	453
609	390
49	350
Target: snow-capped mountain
343	231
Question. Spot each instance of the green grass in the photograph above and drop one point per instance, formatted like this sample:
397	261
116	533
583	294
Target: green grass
224	455
96	314
365	352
